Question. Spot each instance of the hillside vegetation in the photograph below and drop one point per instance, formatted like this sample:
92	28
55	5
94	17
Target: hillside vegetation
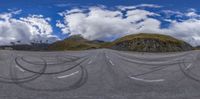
75	42
143	42
150	43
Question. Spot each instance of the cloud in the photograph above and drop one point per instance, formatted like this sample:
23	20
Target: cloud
25	29
62	5
104	24
138	6
187	30
75	10
149	5
192	13
170	13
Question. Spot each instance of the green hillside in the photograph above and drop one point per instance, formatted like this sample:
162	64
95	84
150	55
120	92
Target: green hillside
143	42
75	42
150	43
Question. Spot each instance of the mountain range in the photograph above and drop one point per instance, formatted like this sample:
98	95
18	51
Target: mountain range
143	42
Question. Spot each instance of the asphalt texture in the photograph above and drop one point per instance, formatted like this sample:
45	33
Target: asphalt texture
99	74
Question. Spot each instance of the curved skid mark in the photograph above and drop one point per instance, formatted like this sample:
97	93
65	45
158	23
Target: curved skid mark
145	80
60	63
153	59
82	80
150	63
50	73
9	80
65	76
187	72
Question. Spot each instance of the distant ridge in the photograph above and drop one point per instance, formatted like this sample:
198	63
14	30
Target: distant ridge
142	42
74	42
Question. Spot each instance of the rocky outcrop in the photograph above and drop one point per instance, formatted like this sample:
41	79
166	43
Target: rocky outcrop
151	44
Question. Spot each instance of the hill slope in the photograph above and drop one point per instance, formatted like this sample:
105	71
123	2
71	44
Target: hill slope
150	43
142	42
75	42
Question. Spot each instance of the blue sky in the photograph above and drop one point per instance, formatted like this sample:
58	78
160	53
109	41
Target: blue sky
158	16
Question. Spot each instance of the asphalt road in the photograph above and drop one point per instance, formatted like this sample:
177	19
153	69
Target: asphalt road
99	74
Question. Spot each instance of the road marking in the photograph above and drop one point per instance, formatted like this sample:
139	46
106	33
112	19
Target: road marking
145	80
111	62
107	56
188	66
68	75
95	56
90	62
20	68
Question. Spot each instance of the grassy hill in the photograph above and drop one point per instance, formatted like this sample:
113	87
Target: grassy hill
75	42
150	43
137	42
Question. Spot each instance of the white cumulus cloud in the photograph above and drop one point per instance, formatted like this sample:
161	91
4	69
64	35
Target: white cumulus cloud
104	24
139	6
25	29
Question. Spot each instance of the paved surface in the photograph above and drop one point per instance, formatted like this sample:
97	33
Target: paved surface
99	74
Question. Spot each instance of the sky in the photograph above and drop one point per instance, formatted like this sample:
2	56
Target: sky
51	20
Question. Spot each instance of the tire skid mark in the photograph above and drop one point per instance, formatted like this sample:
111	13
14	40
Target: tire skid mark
23	82
65	76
